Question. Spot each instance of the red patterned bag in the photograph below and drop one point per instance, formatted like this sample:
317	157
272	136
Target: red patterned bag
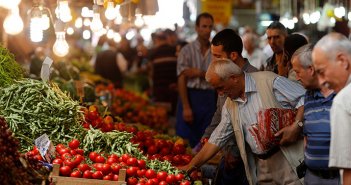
270	121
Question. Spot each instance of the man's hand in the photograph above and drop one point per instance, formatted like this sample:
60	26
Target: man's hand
188	115
193	73
185	168
288	134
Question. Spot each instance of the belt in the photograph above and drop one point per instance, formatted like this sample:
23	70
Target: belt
269	153
325	174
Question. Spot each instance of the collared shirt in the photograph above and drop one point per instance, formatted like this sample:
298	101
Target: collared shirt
288	93
340	122
317	129
191	57
257	58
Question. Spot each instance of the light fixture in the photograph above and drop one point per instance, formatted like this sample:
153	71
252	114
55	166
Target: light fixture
110	12
45	17
139	22
63	11
96	24
110	34
70	31
339	12
35	25
60	47
86	22
119	18
117	37
78	23
9	4
13	23
86	34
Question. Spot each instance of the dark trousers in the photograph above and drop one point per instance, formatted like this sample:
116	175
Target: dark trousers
227	175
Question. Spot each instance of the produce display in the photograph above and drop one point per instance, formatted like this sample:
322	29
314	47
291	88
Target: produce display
10	70
106	166
33	107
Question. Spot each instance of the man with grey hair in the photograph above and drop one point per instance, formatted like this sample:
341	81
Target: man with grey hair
331	58
248	93
316	125
252	52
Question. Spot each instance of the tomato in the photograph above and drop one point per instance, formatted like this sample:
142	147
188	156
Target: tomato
92	115
77	159
38	157
66	156
115	177
79	151
132	161
98	166
178	149
115	167
107	177
141	172
152	150
100	159
107	127
76	173
57	161
125	157
155	180
84	167
97	175
150	174
74	144
131	171
96	123
170	178
165	151
132	181
177	159
59	146
141	164
111	160
163	183
73	152
162	175
149	182
92	156
70	163
106	169
64	150
65	170
194	175
179	177
168	158
87	174
186	158
115	156
186	182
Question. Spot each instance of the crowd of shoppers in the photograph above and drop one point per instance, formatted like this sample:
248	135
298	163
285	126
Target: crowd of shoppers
312	81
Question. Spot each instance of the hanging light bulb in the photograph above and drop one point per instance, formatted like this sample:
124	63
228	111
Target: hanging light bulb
119	18
339	12
60	47
35	27
86	34
110	34
139	22
78	23
110	12
13	23
9	4
96	24
70	31
45	17
63	11
117	37
86	22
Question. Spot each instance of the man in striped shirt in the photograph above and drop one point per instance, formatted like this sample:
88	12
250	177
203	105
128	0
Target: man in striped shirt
197	99
316	127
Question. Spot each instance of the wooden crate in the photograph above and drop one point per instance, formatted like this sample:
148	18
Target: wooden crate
60	180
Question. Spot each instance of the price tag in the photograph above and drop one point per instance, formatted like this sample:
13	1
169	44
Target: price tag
45	69
45	147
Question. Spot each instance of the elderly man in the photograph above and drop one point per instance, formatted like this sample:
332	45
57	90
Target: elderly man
332	60
316	127
248	93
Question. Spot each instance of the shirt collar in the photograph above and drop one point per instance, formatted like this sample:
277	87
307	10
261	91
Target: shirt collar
250	86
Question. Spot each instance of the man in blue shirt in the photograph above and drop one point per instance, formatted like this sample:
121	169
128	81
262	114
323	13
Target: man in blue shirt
316	126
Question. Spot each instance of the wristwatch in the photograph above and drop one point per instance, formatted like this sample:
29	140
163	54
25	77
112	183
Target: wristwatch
299	123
